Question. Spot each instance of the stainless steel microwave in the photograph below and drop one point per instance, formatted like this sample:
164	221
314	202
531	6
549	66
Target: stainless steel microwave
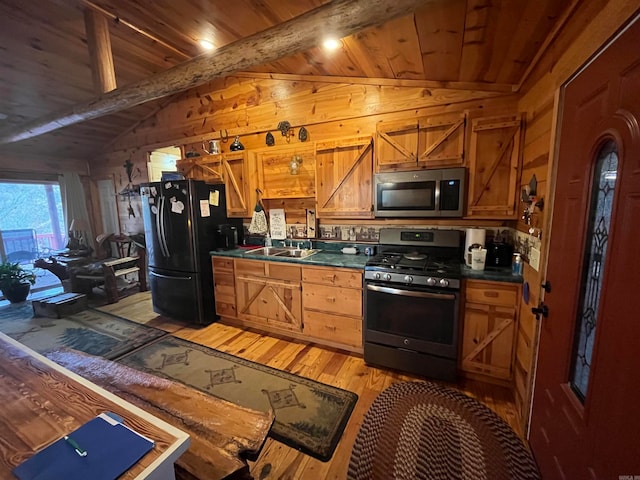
423	193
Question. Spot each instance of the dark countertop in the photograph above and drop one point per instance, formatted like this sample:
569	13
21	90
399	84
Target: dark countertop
333	258
322	258
492	274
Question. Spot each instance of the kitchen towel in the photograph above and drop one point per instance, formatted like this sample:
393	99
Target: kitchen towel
278	224
258	223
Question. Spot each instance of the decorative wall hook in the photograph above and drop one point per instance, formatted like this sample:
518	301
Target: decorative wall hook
530	200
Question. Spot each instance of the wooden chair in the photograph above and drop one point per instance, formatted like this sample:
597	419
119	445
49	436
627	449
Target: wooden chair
120	257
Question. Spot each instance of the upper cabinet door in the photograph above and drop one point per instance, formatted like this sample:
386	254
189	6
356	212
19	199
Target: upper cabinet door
344	177
429	142
494	162
207	168
240	200
278	178
441	141
397	145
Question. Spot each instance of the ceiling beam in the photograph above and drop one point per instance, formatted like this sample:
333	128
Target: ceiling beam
122	21
99	42
339	18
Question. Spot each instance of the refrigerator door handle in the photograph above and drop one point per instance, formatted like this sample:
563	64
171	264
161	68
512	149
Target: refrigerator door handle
158	228
163	234
170	278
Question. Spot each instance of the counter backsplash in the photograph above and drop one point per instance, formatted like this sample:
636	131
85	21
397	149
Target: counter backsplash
523	242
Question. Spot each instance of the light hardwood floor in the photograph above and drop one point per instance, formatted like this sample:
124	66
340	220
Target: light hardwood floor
334	367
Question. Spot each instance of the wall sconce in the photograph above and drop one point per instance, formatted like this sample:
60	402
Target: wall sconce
294	164
530	199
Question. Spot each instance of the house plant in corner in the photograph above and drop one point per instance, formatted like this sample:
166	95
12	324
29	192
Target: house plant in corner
15	281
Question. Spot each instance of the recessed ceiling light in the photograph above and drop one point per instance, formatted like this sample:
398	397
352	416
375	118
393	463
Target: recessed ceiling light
331	44
206	44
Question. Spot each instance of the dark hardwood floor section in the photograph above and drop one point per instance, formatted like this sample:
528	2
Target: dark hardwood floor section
334	367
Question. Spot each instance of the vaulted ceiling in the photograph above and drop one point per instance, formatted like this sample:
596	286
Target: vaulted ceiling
45	64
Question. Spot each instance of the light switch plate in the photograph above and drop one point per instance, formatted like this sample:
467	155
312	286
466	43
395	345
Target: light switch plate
534	259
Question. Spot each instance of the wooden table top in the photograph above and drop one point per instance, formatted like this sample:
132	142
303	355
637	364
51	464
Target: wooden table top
42	401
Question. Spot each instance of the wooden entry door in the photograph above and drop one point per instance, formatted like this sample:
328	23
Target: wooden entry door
594	272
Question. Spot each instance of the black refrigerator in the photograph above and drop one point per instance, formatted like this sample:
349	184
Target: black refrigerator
180	220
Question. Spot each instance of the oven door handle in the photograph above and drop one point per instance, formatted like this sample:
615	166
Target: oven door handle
411	293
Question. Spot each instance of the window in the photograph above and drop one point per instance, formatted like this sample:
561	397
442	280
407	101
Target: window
601	206
31	224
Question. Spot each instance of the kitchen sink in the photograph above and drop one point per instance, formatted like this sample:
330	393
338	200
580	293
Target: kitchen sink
283	252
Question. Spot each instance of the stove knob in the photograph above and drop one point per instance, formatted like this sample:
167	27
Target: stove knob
443	282
376	276
387	277
431	281
408	279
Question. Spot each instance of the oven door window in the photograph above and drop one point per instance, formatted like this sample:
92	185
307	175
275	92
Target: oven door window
407	196
417	319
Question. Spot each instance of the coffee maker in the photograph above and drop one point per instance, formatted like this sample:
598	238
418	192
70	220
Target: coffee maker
226	237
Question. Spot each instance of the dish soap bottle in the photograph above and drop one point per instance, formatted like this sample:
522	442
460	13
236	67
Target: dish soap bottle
267	241
517	266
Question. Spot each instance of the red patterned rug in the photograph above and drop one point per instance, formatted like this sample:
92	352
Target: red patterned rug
421	430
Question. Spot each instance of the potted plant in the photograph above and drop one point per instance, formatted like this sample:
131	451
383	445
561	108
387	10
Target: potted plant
15	281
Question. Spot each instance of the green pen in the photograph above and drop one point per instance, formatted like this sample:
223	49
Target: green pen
79	450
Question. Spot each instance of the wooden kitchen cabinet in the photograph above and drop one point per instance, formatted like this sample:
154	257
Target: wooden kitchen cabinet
207	168
344	172
332	300
428	142
239	195
488	337
268	294
224	286
494	164
275	178
230	168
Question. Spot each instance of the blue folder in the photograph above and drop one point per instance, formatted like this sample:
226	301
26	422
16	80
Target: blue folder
112	448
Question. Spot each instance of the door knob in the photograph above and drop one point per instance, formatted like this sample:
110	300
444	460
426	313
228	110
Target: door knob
541	309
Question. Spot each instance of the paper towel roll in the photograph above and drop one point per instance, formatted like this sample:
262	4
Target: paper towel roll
473	236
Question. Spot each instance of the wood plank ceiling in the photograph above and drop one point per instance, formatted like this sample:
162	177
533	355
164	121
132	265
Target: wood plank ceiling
45	64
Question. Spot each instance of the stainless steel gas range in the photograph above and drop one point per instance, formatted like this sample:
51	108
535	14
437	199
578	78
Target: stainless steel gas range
412	289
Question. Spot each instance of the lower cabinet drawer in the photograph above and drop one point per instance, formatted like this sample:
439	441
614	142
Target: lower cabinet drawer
344	301
336	328
492	294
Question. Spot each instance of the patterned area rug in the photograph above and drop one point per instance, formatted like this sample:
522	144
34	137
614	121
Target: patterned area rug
310	416
418	430
90	331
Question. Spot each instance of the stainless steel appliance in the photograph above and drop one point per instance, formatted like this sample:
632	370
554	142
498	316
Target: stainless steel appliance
412	290
180	219
423	193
